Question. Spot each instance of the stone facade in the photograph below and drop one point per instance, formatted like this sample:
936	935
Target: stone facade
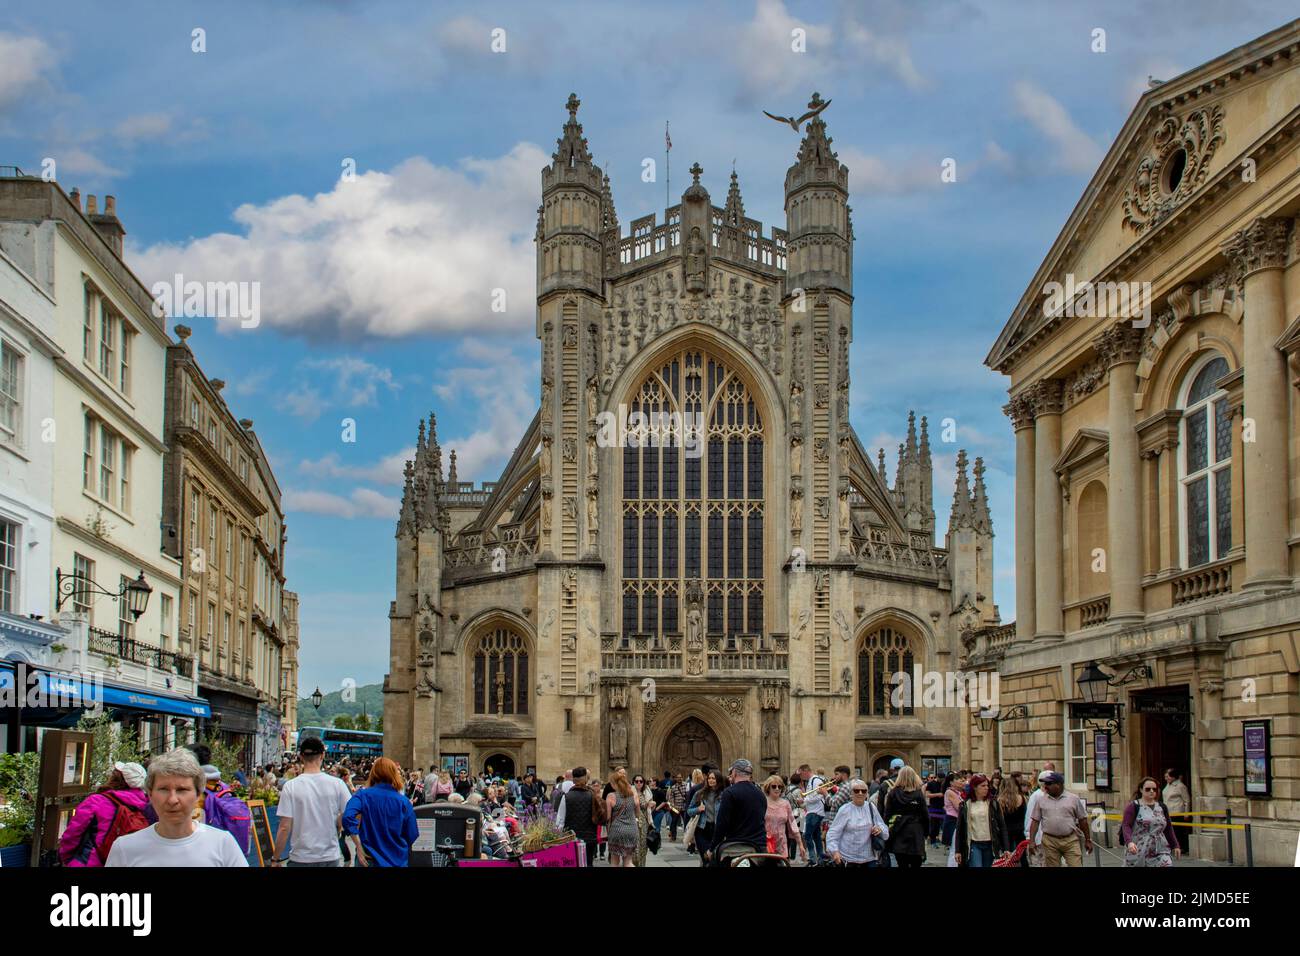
222	520
610	602
1157	524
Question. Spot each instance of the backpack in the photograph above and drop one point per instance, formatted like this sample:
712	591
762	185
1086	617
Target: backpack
126	819
225	811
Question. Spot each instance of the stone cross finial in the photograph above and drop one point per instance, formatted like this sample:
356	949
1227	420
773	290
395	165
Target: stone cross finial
572	106
815	102
695	172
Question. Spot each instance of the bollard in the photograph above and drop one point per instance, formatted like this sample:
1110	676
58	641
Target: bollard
1228	814
1250	850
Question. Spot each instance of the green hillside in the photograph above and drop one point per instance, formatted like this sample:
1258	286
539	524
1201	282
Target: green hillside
371	696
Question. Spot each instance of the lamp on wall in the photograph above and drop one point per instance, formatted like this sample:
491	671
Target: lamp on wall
1095	684
316	698
136	593
990	717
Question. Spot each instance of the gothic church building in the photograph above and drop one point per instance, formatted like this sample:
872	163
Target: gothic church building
660	607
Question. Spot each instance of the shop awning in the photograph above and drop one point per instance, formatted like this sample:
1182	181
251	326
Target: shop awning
74	692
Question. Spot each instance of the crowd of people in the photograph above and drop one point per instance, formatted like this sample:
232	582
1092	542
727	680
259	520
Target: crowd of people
355	811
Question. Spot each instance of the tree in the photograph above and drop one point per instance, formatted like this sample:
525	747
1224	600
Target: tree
379	724
344	722
361	722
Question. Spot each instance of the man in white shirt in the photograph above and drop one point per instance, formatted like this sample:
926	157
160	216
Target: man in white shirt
814	809
174	783
310	808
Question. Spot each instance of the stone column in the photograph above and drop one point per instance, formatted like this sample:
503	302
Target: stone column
1046	399
1257	255
1021	412
1119	346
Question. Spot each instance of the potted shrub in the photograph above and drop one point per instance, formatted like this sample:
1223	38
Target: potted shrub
19	782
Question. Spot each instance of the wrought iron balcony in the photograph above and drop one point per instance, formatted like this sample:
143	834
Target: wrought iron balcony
129	649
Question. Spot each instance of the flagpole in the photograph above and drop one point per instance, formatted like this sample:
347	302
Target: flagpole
668	166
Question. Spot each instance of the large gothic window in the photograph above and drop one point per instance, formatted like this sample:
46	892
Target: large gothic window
694	513
501	674
1205	465
883	654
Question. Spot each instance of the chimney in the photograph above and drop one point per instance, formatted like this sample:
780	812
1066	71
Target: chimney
91	205
75	196
109	226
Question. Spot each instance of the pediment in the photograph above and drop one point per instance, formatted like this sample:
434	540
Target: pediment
1086	446
1181	149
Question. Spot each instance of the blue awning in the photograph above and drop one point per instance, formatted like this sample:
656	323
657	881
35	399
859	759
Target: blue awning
76	692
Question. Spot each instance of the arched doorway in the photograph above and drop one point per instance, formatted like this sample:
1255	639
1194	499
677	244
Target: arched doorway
883	762
499	765
688	745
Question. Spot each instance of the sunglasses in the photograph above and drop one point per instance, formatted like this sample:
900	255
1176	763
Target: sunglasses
1149	789
856	790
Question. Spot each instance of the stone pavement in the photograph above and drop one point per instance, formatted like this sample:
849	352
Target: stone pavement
674	855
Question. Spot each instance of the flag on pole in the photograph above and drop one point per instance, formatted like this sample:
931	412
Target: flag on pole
668	140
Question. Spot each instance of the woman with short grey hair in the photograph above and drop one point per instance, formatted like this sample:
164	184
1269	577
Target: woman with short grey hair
849	841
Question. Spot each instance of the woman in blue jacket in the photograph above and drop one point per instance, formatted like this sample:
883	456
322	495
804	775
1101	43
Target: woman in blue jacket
379	818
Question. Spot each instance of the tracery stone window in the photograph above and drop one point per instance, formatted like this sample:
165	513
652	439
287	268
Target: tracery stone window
501	674
694	514
884	653
1205	465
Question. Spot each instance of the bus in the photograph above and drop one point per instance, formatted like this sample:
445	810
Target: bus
346	743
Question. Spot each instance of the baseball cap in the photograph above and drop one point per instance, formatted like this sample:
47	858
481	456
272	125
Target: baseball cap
311	745
742	766
896	764
1050	776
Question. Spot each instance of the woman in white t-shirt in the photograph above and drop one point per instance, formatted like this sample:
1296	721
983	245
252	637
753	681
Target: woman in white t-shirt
174	783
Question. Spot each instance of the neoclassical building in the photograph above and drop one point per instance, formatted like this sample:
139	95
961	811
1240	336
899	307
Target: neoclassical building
662	604
1157	524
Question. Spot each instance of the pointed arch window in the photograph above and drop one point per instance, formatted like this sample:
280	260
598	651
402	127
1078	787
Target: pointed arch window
884	653
1205	464
693	509
501	674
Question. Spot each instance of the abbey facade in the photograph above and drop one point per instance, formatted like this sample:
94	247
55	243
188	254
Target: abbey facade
668	598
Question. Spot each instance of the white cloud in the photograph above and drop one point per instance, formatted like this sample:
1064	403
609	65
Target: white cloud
157	127
348	383
764	56
22	61
466	35
361	503
502	385
1075	150
872	175
387	471
889	51
418	249
78	160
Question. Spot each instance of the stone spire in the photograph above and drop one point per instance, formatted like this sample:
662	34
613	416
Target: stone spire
880	466
406	517
425	480
608	217
962	513
816	199
451	471
571	147
982	517
815	148
735	209
925	442
911	437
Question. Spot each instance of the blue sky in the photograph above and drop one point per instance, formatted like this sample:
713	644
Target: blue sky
227	164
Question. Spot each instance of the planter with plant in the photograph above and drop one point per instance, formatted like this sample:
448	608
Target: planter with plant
19	783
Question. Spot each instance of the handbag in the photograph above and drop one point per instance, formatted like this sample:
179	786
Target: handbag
652	840
691	827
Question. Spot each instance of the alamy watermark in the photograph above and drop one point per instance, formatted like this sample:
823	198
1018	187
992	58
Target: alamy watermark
964	689
1086	300
40	690
208	300
640	429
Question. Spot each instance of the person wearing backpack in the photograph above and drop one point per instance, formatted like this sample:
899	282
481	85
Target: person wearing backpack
115	809
223	810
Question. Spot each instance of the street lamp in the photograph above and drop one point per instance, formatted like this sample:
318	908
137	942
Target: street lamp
1094	684
316	698
135	593
990	717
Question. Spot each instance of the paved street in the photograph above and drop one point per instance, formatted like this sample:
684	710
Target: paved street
674	854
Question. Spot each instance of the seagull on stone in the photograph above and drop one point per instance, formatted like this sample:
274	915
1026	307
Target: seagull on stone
815	106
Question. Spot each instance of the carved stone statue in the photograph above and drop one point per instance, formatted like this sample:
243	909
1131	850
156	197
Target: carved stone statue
696	261
796	509
617	736
592	456
796	405
593	513
694	629
771	738
796	455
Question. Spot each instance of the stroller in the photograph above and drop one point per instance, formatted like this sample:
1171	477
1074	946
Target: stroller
735	853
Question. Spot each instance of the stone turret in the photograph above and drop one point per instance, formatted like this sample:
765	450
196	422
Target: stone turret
819	251
970	548
574	214
914	481
735	208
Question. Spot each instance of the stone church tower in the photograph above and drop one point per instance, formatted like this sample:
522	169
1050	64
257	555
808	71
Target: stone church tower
658	597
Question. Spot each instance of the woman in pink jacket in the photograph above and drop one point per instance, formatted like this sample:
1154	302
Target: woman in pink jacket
81	842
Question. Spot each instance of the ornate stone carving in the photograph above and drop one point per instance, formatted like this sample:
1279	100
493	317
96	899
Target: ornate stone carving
1082	382
1045	397
1151	196
570	447
734	707
1261	245
821	395
804	617
618	693
1119	344
1021	412
771	737
842	625
796	509
770	695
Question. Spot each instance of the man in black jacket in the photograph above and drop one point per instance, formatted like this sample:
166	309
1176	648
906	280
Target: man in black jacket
576	813
742	812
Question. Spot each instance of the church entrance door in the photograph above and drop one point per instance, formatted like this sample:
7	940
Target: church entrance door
499	765
688	745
